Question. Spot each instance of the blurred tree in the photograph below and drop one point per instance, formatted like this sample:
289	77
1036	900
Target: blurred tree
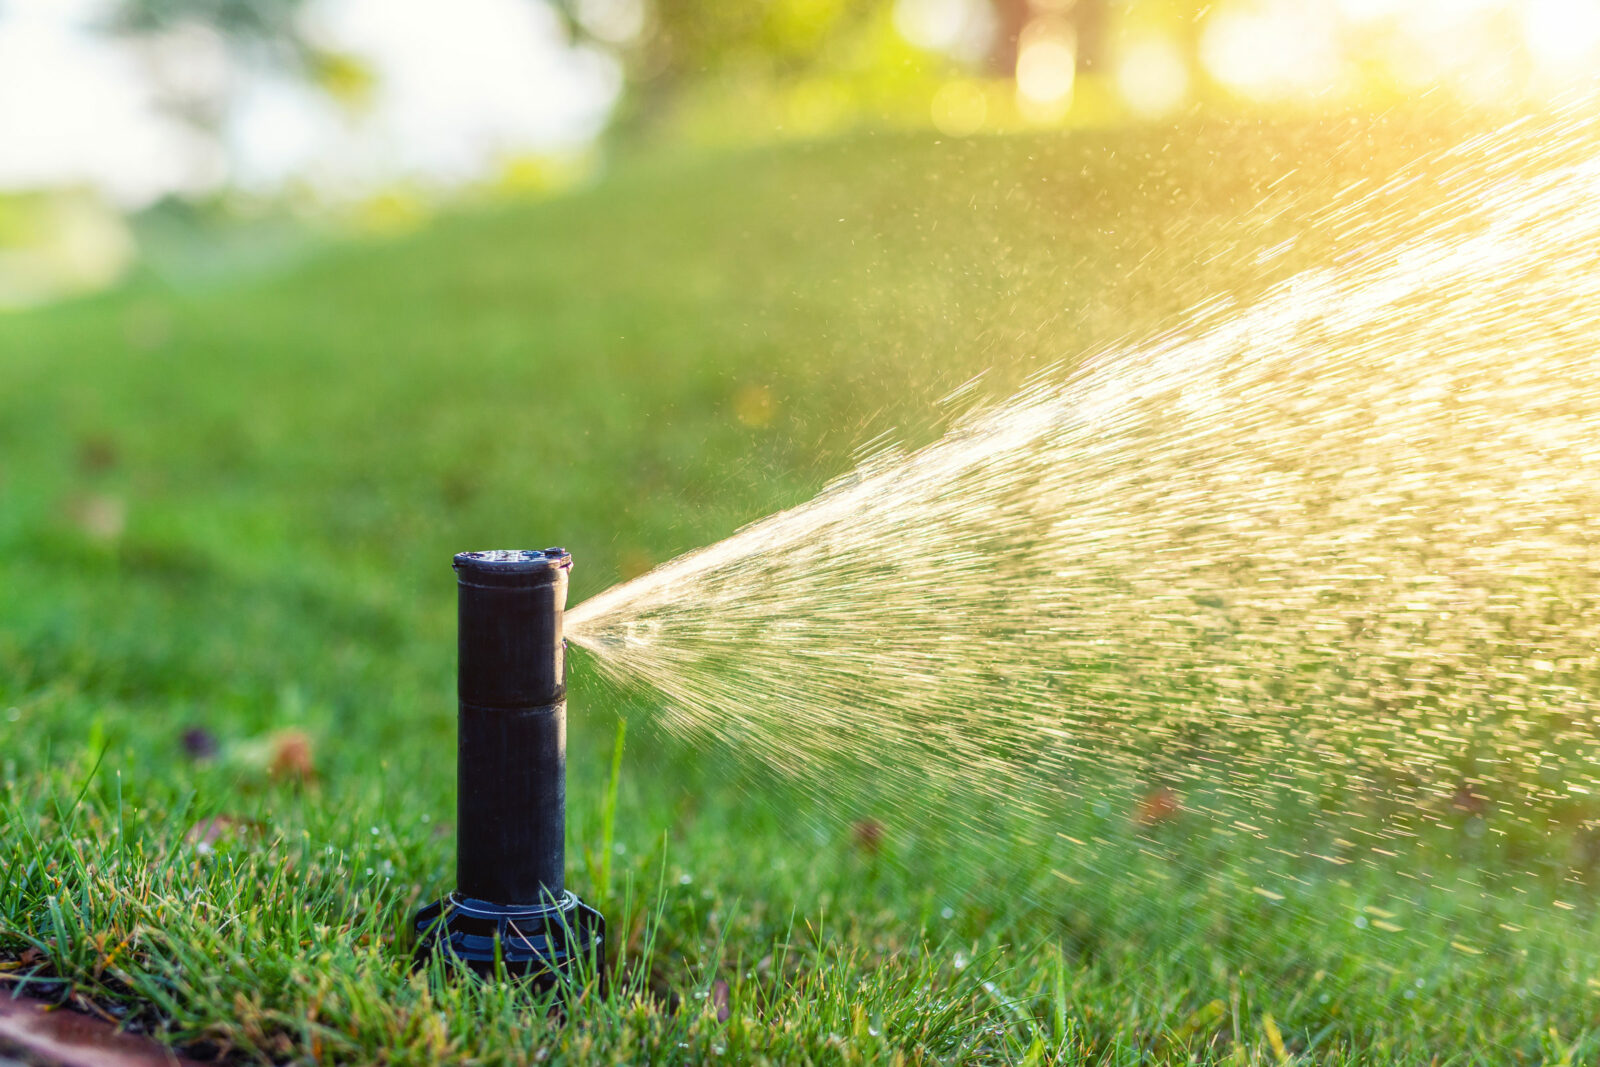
673	43
676	42
261	32
269	22
193	52
669	46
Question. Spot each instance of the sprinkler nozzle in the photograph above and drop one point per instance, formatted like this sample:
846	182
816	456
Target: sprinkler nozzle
511	778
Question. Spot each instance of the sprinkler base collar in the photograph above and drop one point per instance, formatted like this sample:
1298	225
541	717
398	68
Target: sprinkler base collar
558	943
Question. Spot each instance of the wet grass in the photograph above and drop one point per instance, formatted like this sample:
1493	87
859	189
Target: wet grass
230	509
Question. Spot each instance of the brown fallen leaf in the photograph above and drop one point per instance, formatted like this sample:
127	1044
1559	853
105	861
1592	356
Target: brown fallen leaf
1161	805
292	757
868	835
97	454
1469	800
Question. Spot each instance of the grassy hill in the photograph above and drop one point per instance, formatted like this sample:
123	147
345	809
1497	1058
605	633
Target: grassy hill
228	510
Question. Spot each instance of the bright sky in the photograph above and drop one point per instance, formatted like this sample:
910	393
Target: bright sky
463	86
457	94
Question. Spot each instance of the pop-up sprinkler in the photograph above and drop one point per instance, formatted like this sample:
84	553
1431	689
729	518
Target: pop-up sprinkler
511	777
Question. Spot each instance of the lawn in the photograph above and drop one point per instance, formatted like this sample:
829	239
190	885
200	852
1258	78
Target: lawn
227	510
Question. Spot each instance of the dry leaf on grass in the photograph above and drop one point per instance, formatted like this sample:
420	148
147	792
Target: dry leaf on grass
1158	806
292	757
868	835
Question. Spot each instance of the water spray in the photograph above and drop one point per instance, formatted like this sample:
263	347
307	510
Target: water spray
511	899
1341	542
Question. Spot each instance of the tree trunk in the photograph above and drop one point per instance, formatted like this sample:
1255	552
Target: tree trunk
1010	18
1087	18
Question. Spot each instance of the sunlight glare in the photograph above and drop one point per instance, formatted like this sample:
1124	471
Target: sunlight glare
1047	66
1562	33
1153	76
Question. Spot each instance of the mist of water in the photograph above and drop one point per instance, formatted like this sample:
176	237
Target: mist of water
1338	547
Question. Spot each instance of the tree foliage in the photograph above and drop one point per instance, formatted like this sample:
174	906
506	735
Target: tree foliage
266	21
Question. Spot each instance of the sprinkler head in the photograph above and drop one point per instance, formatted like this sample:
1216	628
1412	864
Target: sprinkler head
511	778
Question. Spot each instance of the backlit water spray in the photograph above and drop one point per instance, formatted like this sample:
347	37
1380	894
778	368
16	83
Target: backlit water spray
1329	560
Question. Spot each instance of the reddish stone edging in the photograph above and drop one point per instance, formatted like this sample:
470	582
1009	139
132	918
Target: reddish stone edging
48	1037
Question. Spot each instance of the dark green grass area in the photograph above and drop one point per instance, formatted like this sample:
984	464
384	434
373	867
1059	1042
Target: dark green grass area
232	507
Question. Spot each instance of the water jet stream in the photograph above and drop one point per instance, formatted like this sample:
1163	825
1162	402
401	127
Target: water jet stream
1335	550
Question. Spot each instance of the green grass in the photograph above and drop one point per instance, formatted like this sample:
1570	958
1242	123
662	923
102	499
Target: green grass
233	505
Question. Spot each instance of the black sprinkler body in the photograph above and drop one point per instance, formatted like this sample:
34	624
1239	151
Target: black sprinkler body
511	778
